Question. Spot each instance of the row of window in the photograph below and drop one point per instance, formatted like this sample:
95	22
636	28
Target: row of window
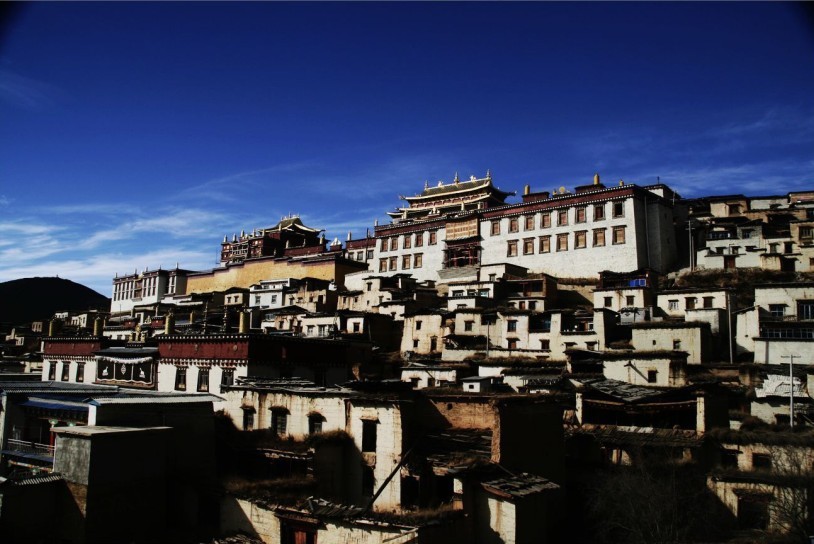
408	241
360	255
691	303
563	218
66	372
227	378
407	262
279	421
580	240
279	426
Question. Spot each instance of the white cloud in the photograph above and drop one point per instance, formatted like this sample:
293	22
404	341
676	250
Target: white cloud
24	92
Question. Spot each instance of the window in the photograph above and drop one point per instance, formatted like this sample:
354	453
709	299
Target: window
369	254
545	244
405	262
382	265
805	310
433	343
545	345
433	238
676	343
360	256
511	343
761	461
806	232
257	299
599	237
279	419
580	239
562	217
369	436
227	377
66	371
511	326
562	242
418	325
599	212
734	209
394	262
788	247
356	326
708	302
545	220
689	303
180	378
511	248
618	235
419	239
513	224
248	419
394	243
80	372
369	286
315	422
495	229
408	242
630	300
383	245
203	380
418	259
528	246
608	302
652	376
777	310
468	325
580	214
528	222
619	209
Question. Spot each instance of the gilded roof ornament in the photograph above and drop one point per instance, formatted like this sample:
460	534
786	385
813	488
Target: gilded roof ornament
596	178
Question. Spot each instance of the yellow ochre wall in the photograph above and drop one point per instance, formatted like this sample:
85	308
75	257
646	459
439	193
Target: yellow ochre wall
251	272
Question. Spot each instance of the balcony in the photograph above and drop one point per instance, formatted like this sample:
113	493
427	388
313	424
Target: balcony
29	449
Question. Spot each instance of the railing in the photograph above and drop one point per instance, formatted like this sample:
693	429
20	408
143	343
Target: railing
784	318
25	446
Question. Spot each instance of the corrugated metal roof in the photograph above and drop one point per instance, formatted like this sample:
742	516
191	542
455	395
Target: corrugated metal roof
53	387
519	486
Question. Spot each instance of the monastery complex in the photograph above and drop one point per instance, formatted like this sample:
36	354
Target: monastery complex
479	369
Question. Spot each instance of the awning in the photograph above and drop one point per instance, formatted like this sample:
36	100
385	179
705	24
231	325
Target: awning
55	405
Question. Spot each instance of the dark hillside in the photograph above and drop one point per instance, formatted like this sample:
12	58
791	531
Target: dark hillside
30	299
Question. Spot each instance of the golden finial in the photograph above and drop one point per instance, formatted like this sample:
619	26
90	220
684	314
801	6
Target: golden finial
596	178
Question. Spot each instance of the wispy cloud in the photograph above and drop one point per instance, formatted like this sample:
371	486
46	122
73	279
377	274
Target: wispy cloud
758	178
97	271
26	93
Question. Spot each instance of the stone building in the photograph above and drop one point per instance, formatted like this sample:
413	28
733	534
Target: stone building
449	231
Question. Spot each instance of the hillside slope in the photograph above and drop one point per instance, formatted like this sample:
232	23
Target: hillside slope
30	299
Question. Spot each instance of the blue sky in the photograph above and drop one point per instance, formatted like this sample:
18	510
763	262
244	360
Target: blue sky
137	135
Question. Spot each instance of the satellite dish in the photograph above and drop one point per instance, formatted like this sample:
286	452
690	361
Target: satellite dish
562	190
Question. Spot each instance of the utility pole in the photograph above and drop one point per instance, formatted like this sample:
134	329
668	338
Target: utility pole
791	359
731	335
689	225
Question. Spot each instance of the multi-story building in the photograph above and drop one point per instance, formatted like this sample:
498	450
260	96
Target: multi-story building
448	232
771	232
271	242
147	287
